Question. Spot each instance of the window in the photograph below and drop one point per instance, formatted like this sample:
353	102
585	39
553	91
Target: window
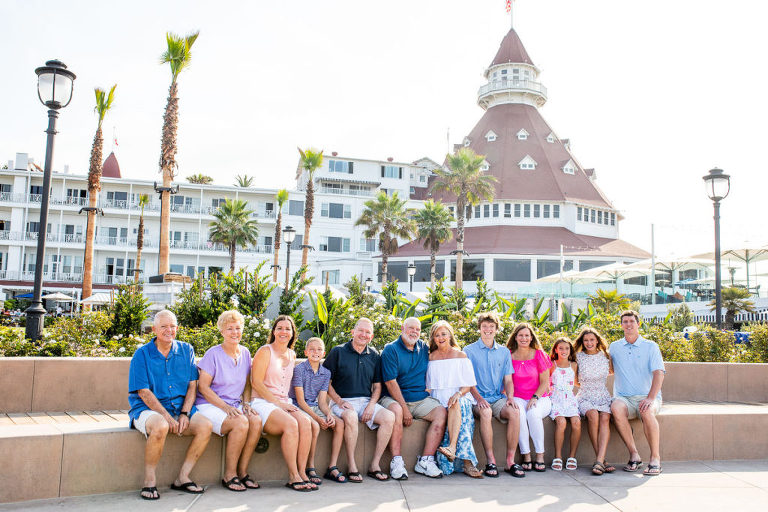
331	276
466	143
507	210
422	274
485	167
297	242
368	244
295	208
477	211
526	210
546	268
569	167
613	219
527	163
423	179
74	194
490	136
218	202
36	189
537	210
522	135
359	189
511	270
123	196
334	244
551	138
177	268
578	213
599	217
590	264
495	209
391	171
452	209
413	190
340	166
486	210
468	212
555	211
5	187
336	210
517	209
473	270
546	211
396	271
592	215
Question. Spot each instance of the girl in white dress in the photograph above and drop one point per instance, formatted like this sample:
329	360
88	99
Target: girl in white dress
564	404
450	376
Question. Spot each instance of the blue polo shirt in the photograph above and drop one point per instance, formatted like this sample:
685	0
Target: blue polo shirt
167	377
408	367
633	366
491	366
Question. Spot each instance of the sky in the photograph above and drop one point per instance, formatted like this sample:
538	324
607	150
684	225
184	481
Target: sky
651	94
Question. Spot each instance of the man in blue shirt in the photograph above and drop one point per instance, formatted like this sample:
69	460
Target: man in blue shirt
162	387
404	370
494	393
638	373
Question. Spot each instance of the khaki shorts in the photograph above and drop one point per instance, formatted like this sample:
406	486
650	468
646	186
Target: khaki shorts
419	409
496	408
633	403
316	410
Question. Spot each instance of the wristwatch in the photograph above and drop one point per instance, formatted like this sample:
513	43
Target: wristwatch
185	413
535	396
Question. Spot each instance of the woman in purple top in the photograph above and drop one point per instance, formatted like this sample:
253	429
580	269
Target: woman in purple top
531	379
224	396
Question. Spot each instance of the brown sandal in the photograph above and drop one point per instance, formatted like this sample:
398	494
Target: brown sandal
449	454
471	471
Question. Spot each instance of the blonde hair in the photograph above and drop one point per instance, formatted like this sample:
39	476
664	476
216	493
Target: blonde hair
230	317
315	339
437	325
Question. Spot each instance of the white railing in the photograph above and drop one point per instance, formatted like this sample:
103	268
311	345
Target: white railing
72	239
111	240
35	198
11	235
12	197
184	244
33	236
509	85
185	208
69	201
345	192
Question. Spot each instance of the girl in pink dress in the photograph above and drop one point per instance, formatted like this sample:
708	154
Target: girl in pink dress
564	404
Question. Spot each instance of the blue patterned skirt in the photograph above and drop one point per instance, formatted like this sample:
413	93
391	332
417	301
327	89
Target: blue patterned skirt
464	447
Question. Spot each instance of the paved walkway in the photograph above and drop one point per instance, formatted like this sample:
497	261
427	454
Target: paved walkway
684	486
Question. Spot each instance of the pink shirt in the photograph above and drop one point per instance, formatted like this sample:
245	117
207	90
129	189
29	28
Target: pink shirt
526	376
278	377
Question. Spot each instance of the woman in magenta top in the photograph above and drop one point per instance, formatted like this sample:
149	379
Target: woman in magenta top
271	375
531	379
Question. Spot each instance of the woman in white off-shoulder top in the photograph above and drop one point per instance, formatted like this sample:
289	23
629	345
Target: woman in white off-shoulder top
449	378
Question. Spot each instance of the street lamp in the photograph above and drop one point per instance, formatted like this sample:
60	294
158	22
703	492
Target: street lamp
368	284
411	273
289	234
717	184
54	88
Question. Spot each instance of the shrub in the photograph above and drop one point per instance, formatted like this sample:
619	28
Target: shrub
13	343
82	335
128	311
757	350
710	345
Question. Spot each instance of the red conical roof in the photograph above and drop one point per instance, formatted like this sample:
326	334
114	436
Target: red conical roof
110	168
511	50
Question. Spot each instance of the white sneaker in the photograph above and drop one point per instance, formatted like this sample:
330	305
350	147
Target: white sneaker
397	469
427	467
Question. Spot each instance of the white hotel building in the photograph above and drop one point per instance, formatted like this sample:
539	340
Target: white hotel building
546	204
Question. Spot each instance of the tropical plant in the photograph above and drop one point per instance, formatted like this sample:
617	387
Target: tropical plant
104	102
571	323
243	181
539	320
252	290
734	300
178	54
462	177
681	316
483	300
433	227
203	301
458	298
234	227
390	293
292	298
511	308
200	179
309	162
387	219
143	202
609	300
281	197
129	309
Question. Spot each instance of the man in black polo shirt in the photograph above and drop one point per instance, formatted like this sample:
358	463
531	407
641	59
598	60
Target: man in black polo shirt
354	391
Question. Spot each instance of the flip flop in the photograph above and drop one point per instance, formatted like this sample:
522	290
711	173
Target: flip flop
298	486
153	490
232	482
355	474
527	465
516	470
187	487
652	470
491	467
539	467
245	480
633	465
447	452
340	478
378	475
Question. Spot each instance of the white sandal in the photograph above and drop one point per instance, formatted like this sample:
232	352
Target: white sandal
571	464
557	464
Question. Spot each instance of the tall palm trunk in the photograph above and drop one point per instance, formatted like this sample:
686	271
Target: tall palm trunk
232	255
139	245
94	179
461	210
309	211
432	266
278	227
168	166
384	265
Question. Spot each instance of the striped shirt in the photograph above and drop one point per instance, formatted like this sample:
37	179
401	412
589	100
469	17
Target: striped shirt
312	383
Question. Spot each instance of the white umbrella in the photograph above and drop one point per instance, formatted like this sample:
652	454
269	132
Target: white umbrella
748	253
58	297
97	299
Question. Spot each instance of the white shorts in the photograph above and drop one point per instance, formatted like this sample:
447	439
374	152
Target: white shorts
359	404
215	414
140	423
263	408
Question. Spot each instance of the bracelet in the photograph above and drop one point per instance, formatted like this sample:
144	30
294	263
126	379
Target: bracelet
184	413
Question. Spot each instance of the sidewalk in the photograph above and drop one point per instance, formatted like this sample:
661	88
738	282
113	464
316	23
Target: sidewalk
683	486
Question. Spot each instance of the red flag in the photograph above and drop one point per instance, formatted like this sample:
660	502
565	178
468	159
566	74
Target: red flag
509	6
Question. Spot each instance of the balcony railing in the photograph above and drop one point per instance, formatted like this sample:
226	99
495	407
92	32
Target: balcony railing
271	214
11	235
516	85
12	197
69	201
345	192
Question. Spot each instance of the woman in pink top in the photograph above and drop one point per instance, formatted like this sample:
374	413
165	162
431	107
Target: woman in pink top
271	375
531	379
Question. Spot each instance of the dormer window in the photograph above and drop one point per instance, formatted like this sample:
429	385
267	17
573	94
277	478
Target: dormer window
527	163
466	142
522	134
569	167
551	138
490	136
485	166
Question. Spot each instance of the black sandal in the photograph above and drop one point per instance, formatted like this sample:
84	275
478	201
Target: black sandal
314	477
489	468
516	470
633	465
298	486
340	478
378	475
153	490
186	487
233	481
527	465
353	480
245	480
539	467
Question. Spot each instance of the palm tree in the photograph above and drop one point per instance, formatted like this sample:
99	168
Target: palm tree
143	201
463	178
310	161
234	227
178	55
200	179
607	300
243	181
734	301
433	226
103	104
281	197
386	217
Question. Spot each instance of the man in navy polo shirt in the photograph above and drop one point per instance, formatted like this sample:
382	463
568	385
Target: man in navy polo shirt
162	387
404	369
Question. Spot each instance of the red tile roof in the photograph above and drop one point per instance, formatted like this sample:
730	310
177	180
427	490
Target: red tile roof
530	240
110	168
511	50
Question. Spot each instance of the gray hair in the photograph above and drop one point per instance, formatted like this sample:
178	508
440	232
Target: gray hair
164	313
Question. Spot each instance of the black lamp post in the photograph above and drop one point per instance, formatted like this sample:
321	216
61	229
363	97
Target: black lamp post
368	284
411	273
717	184
54	88
289	234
